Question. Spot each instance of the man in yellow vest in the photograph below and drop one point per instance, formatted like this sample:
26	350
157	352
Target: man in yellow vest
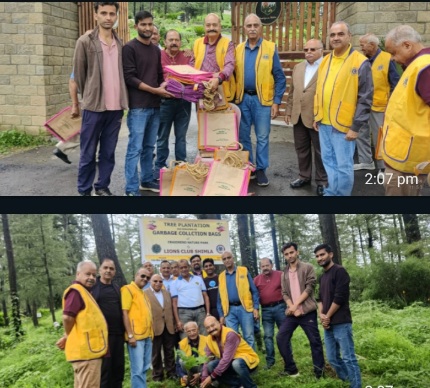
139	332
193	344
85	341
215	54
343	100
238	299
260	87
406	130
385	79
234	359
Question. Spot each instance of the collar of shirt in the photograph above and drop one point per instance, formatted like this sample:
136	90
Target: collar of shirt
371	60
315	64
422	52
113	41
345	55
234	271
181	278
76	282
206	40
256	46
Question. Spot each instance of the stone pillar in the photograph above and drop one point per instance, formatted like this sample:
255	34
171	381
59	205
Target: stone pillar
37	43
381	17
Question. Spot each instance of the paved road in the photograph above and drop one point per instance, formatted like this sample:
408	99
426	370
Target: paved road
39	173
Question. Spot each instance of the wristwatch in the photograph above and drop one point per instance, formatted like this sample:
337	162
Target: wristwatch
130	336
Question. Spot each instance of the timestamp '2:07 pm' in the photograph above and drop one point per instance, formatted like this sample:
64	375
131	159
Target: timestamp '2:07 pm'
382	179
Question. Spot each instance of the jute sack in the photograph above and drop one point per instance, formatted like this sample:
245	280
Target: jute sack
220	130
188	180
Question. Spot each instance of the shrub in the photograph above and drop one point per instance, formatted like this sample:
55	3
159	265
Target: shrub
199	30
19	139
414	280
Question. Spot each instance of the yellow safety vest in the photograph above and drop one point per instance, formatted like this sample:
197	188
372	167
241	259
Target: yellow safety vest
88	339
140	313
242	285
380	70
406	130
229	85
265	83
243	351
186	348
344	99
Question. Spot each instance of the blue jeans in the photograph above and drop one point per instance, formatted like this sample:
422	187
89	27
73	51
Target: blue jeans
237	375
270	316
237	315
338	159
309	324
338	340
176	112
143	126
255	113
140	362
98	128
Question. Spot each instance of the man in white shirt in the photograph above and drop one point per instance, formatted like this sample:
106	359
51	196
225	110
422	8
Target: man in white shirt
300	113
189	299
166	274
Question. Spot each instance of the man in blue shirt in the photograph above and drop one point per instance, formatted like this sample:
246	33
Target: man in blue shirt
385	79
261	86
238	299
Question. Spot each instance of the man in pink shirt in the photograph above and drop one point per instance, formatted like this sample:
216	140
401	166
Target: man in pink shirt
298	289
273	306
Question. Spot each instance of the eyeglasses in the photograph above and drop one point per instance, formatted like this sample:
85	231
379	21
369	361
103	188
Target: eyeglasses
311	49
145	277
157	281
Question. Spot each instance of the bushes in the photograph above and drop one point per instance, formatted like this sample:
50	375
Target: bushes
18	139
400	284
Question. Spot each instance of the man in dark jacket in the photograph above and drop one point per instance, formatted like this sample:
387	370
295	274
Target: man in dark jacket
335	317
108	296
99	76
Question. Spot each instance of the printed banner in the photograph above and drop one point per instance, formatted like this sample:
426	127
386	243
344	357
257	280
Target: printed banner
175	239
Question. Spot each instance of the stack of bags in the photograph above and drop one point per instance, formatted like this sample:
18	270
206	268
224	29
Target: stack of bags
221	168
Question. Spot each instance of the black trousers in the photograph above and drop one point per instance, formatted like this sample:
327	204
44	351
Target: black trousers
113	366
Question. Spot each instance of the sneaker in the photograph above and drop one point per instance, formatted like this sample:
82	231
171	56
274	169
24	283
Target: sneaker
253	175
364	166
150	186
132	195
294	375
262	180
103	193
85	194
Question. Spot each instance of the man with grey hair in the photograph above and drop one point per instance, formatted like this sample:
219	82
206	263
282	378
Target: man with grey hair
300	113
260	87
406	130
385	79
85	329
343	100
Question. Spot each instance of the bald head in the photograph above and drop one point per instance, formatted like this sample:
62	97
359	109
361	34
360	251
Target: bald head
212	27
156	282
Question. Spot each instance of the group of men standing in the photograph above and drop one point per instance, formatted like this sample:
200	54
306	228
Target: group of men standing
347	99
335	103
157	313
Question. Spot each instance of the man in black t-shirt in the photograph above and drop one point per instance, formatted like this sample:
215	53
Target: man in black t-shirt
335	316
108	296
211	282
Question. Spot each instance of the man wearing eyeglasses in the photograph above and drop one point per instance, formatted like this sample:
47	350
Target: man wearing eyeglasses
164	329
300	113
137	316
260	87
189	299
343	99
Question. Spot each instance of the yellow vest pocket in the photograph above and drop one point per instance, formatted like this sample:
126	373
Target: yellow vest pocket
398	144
345	114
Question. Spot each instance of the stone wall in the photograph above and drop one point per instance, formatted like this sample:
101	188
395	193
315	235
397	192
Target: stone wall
381	17
37	42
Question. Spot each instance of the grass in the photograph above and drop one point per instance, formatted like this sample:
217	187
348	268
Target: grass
393	348
14	140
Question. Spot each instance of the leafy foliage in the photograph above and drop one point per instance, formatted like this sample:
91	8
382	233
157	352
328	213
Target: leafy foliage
14	139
